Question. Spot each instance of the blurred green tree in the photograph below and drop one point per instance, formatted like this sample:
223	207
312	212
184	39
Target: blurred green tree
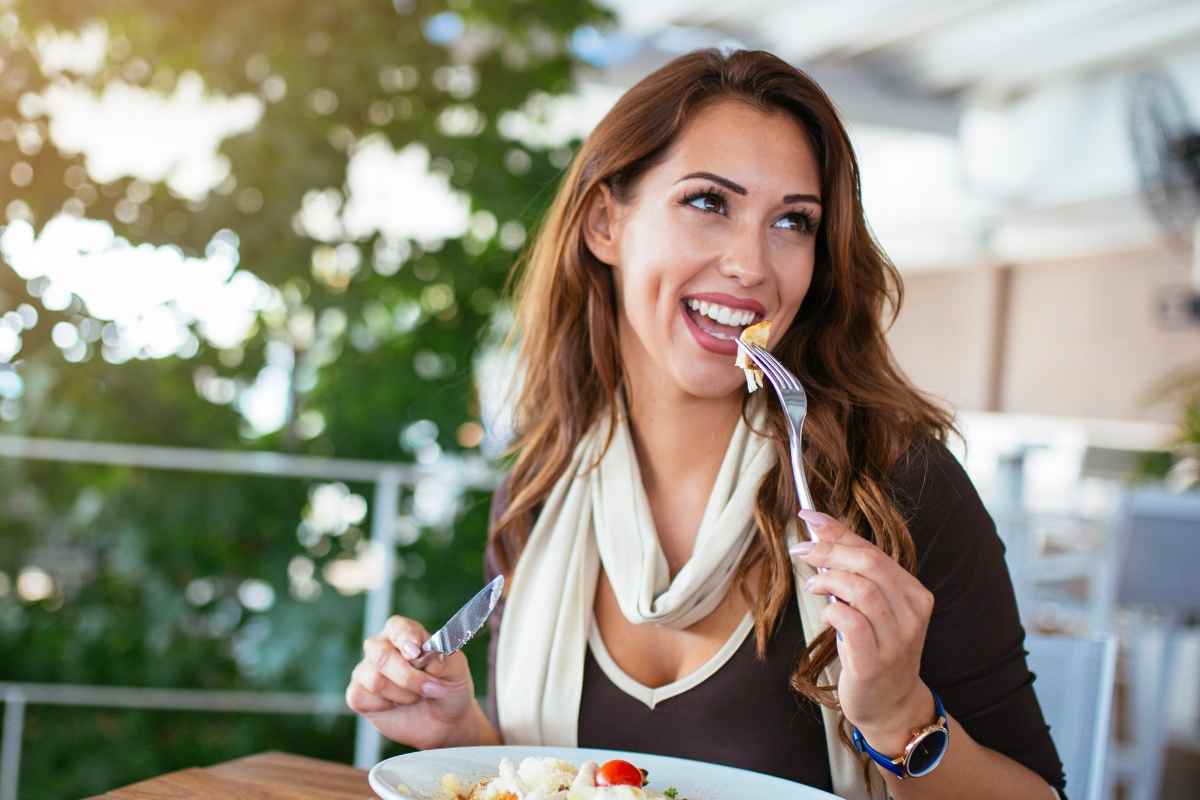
133	577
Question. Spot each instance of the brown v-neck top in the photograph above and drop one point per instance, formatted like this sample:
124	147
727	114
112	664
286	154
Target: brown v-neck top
744	714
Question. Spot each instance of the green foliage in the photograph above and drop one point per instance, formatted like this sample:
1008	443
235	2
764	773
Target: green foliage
1181	388
107	746
125	545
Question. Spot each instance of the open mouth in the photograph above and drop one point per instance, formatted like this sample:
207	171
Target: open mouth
720	322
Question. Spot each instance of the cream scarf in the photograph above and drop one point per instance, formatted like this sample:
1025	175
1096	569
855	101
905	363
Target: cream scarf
602	516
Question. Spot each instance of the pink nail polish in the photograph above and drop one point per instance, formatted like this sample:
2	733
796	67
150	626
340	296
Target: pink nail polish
410	649
801	548
814	518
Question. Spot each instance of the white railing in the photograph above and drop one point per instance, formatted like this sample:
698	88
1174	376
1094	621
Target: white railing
17	696
388	479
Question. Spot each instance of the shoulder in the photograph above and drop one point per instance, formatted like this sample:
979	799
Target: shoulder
928	474
948	522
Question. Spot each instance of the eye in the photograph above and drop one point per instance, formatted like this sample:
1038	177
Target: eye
805	221
706	194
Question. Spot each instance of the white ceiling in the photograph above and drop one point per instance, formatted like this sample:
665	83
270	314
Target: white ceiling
1026	96
932	48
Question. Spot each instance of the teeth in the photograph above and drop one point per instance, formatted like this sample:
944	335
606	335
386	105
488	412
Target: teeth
722	314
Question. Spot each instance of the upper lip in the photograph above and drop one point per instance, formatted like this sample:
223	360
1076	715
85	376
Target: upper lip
741	303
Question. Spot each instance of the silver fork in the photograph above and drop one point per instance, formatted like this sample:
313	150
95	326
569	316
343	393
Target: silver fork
795	404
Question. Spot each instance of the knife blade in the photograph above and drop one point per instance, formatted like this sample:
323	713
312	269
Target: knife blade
465	623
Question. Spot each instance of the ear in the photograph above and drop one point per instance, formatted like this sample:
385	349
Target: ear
601	225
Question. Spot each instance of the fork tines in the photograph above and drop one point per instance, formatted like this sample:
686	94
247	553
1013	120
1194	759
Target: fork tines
779	374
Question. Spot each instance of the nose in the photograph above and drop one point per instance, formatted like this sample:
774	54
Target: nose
745	260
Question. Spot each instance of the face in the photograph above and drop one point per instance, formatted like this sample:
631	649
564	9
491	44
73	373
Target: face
697	257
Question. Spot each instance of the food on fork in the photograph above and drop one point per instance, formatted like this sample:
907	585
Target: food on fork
758	333
554	779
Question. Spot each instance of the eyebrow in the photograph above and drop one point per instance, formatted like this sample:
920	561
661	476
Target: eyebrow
787	198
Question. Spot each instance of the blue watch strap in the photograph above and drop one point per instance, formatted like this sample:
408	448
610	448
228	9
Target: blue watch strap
896	766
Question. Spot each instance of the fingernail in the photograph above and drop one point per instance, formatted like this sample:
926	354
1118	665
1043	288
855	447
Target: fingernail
839	636
801	548
813	517
808	584
434	690
410	649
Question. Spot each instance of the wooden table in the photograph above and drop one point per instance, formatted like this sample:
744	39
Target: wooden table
266	776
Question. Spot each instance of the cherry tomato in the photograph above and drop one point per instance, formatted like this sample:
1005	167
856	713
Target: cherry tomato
619	773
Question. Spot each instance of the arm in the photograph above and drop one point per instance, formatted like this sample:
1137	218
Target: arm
953	627
435	706
967	770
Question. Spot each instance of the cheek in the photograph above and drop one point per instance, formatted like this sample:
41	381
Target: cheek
796	289
657	261
793	285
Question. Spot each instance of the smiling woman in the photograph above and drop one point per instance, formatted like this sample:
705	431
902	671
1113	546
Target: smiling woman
644	525
700	237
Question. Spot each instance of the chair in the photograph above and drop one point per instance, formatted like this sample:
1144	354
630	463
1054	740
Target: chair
1075	680
1154	552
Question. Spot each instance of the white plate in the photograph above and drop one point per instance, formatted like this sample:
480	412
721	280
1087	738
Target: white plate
417	776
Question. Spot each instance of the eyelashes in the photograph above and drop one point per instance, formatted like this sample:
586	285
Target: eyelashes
806	221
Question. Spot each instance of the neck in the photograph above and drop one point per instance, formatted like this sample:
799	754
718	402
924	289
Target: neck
680	439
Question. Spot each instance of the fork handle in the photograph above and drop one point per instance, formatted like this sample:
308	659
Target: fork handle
797	459
802	491
805	496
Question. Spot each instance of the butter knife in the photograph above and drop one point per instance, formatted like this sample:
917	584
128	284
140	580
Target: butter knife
459	629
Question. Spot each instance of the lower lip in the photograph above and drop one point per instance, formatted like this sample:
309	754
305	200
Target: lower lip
724	347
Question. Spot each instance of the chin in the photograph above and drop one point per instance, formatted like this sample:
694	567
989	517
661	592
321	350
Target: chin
709	383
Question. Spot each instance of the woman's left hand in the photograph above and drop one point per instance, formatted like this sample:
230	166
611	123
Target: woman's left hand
882	618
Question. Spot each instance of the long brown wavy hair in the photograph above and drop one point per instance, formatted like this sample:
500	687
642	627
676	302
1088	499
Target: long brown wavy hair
863	414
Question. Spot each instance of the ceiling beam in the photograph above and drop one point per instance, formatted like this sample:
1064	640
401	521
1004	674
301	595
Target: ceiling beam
1022	44
862	98
1138	42
804	32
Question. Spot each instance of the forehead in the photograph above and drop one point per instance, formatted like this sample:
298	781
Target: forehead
763	151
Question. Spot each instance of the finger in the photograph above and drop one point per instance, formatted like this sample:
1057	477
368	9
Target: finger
857	648
865	596
910	599
361	701
912	613
409	637
870	562
921	601
391	664
368	676
407	634
825	528
897	585
835	555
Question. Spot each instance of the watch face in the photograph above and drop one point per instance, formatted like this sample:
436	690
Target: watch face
928	752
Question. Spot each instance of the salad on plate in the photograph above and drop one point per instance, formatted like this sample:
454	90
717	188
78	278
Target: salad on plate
554	779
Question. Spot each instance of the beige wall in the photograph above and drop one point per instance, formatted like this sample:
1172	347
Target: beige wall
943	334
1081	338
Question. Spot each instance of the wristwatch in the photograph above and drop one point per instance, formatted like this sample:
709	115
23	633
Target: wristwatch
923	752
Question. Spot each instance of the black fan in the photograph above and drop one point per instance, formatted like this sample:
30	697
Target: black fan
1166	148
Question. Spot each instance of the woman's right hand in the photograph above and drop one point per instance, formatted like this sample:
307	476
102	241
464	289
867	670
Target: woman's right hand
433	707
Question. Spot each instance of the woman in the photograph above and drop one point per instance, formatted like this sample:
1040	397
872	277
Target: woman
653	602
